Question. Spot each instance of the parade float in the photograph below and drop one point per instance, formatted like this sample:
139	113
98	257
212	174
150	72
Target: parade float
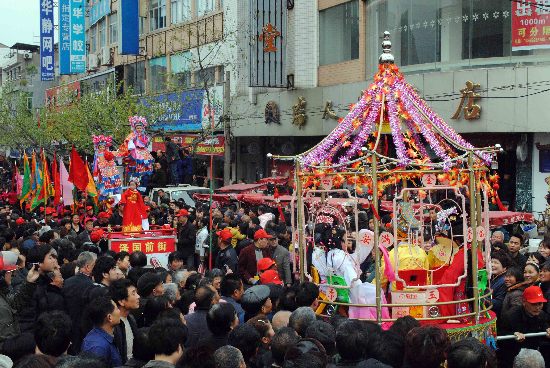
431	252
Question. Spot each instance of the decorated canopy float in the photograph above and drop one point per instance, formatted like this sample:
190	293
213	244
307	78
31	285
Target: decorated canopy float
392	139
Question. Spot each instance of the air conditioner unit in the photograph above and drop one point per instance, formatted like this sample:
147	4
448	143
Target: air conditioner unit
27	55
92	62
106	56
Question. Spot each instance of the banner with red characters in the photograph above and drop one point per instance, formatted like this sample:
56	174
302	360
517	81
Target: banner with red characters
530	24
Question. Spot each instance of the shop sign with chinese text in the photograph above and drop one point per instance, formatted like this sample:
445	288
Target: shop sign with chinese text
72	37
47	65
530	24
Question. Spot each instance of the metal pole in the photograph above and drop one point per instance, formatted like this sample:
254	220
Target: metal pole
226	129
527	335
473	222
300	220
376	231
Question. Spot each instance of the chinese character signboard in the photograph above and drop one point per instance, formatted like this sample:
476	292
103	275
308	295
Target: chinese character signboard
267	49
210	146
47	70
99	9
188	110
72	38
530	24
158	247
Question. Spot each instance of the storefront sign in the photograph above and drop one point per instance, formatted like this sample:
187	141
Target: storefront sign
467	103
99	9
72	37
210	146
189	110
268	47
47	70
530	25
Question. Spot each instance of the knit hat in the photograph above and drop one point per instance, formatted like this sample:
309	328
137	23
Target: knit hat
28	244
255	294
147	283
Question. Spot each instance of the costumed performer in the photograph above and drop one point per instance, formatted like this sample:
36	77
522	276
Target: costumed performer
134	211
105	173
330	259
134	150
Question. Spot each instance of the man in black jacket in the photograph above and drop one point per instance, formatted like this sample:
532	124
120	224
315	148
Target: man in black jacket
172	157
187	235
76	291
125	295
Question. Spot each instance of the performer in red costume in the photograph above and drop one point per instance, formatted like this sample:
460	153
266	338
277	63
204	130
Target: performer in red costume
134	209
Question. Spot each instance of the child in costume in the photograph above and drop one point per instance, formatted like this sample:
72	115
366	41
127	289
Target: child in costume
134	150
134	211
105	173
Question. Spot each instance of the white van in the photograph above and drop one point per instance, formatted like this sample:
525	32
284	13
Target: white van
183	191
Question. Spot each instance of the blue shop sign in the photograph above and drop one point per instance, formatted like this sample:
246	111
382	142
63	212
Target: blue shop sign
183	111
99	9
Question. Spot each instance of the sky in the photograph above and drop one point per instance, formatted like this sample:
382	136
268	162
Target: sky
19	21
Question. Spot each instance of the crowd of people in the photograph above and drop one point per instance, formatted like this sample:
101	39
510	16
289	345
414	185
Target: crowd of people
66	300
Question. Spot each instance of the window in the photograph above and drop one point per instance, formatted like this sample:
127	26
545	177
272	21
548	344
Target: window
157	74
135	77
205	6
205	75
101	35
113	28
92	36
180	11
157	14
339	33
181	71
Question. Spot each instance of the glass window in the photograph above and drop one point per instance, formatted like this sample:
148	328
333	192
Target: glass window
181	70
205	75
135	77
113	28
205	6
92	37
180	11
101	35
157	14
157	74
339	33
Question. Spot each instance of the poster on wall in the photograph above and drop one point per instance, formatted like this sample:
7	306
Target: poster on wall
530	25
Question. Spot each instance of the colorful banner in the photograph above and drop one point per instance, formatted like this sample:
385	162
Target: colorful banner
209	146
47	65
530	25
72	36
128	19
99	9
158	244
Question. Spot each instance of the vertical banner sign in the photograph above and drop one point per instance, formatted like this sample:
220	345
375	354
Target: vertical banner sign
128	20
530	24
47	70
268	19
72	49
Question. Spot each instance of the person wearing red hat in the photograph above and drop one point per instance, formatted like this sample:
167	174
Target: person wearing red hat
187	237
11	338
48	218
84	236
226	258
251	254
527	318
102	219
267	270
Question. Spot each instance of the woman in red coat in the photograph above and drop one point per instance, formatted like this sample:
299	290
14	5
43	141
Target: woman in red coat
134	209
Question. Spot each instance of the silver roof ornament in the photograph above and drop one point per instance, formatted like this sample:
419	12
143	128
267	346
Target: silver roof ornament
386	57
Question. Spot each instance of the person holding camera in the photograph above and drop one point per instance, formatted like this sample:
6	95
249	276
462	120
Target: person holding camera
12	342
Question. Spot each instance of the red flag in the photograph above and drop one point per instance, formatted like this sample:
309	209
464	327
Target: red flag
56	181
77	171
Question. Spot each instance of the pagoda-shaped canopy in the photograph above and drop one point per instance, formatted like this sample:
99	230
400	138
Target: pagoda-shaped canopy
420	138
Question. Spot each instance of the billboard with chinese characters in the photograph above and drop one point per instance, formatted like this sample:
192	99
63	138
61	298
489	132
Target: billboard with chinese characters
72	38
157	247
188	110
530	25
267	49
209	146
47	66
128	18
